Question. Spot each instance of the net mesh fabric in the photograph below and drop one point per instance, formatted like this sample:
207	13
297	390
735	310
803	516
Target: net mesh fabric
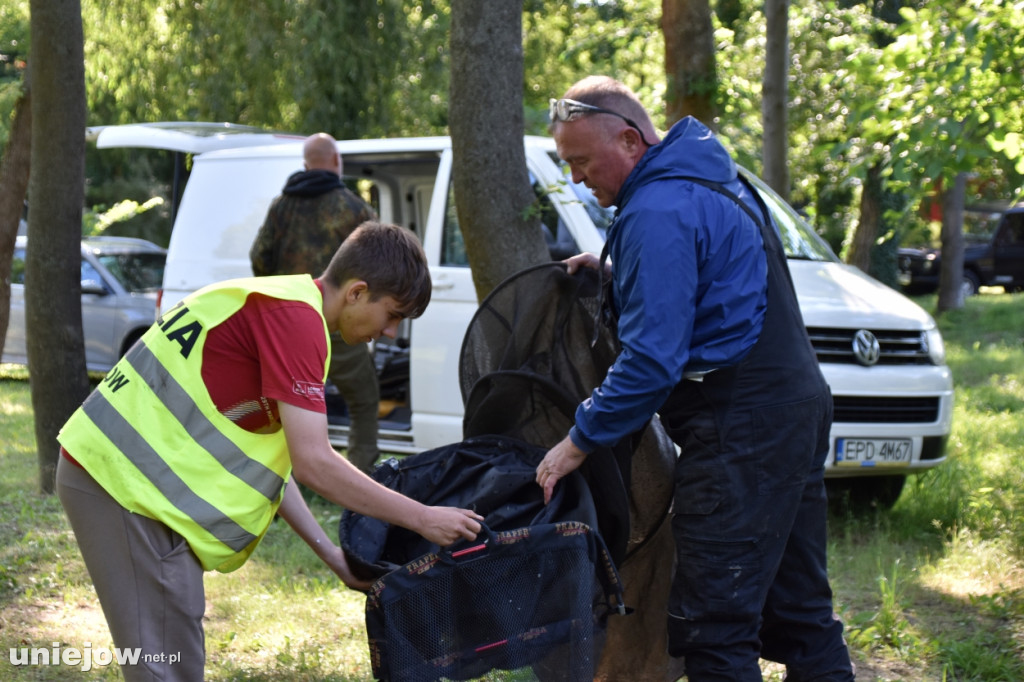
536	347
535	328
509	634
493	475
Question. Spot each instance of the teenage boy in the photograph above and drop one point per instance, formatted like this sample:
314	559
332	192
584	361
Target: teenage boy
180	459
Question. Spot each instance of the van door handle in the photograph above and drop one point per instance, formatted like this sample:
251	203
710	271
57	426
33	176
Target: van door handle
443	285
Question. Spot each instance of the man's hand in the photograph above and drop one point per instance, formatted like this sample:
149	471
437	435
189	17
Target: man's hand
560	460
586	260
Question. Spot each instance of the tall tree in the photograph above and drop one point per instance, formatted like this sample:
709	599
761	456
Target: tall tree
15	132
14	172
951	294
869	225
486	119
948	96
775	96
692	80
53	307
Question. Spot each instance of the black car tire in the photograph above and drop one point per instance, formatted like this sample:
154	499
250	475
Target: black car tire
859	495
970	284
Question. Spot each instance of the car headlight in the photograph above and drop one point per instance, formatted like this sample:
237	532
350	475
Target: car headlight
936	347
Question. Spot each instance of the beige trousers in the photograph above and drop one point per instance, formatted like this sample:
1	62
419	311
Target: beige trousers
149	582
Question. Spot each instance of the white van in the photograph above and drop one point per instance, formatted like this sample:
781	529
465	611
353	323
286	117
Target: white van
881	353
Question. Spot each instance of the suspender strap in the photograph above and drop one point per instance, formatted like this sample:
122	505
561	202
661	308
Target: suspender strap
721	189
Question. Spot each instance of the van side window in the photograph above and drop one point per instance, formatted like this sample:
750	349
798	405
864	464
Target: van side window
453	246
1015	229
560	241
365	189
18	267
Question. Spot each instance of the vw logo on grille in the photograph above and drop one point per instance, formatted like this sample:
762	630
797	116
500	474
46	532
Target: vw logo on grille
865	348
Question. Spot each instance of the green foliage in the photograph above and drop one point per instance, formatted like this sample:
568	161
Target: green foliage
14	43
128	193
824	38
314	65
564	42
947	92
924	88
97	223
944	560
888	627
418	102
930	590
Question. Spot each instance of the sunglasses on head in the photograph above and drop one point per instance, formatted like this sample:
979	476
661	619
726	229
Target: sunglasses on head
565	109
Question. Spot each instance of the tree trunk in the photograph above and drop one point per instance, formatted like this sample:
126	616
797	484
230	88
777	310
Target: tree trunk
53	307
951	270
689	61
866	234
13	186
493	193
775	97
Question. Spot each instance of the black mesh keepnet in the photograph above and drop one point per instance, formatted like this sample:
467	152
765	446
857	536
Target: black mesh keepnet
537	325
493	475
528	612
531	354
532	599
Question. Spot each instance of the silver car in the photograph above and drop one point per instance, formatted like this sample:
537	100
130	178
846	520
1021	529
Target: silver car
120	279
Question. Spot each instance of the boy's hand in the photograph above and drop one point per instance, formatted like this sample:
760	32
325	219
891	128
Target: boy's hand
335	559
445	525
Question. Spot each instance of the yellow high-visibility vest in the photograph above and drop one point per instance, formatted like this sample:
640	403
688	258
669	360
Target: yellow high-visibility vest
152	437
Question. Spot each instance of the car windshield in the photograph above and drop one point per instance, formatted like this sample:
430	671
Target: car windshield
137	272
979	226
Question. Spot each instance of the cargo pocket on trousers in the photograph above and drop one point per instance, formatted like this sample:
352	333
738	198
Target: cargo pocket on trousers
698	489
787	436
717	580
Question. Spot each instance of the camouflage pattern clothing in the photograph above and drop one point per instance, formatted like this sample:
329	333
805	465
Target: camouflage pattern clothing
303	229
306	224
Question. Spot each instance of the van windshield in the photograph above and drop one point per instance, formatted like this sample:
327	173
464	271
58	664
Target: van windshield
799	240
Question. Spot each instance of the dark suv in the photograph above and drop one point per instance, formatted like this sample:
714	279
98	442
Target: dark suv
993	254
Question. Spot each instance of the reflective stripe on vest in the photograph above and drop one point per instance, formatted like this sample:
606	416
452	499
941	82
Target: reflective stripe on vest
151	436
178	402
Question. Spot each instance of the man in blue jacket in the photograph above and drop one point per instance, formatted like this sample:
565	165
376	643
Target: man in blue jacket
713	341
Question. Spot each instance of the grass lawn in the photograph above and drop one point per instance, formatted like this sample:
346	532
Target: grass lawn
932	589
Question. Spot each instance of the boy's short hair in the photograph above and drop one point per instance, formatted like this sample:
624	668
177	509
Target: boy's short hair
389	259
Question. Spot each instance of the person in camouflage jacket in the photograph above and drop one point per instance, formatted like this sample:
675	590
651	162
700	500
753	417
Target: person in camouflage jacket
303	228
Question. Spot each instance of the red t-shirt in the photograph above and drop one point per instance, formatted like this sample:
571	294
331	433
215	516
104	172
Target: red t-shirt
270	350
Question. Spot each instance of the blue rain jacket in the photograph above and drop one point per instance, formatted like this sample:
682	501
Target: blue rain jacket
689	281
